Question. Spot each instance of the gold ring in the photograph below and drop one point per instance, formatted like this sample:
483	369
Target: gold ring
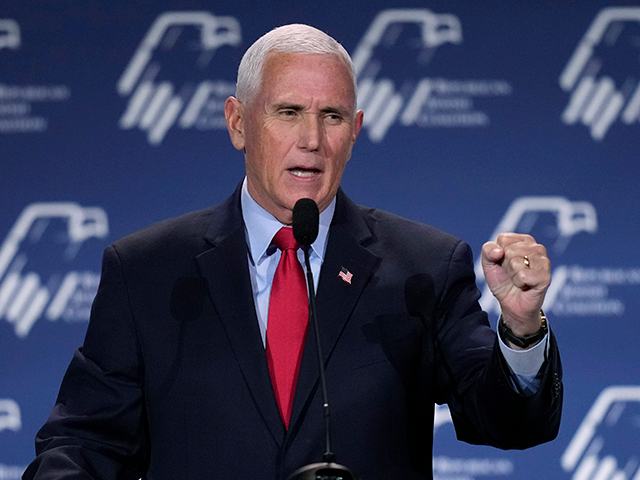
527	263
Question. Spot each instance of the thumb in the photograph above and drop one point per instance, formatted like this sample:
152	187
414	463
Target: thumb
492	255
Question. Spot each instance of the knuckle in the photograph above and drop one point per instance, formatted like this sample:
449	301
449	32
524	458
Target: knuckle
540	250
521	276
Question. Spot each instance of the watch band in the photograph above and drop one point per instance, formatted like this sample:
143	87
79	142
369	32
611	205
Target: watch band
523	342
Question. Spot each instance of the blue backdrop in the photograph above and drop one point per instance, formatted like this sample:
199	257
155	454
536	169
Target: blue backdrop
480	117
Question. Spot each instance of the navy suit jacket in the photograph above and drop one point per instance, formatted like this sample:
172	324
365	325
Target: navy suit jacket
172	379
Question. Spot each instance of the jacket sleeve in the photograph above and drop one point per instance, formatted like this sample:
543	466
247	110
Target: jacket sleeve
97	428
474	377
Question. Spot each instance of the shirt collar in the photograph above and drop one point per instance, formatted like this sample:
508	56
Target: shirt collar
261	226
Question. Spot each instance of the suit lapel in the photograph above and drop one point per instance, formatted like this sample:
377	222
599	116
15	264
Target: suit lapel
225	270
336	298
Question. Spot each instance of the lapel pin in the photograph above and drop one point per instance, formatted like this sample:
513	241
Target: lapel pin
345	275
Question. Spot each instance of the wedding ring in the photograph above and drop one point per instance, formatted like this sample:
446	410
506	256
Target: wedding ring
527	263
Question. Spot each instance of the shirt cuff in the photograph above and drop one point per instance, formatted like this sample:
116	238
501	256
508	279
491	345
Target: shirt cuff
525	363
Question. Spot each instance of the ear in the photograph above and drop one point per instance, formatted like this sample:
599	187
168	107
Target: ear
234	115
357	125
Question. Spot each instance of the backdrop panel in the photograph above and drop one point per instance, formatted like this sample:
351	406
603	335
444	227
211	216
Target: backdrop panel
480	117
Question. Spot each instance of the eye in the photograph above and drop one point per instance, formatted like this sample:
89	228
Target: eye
287	113
333	118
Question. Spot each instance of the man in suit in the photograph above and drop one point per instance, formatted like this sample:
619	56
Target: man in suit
173	380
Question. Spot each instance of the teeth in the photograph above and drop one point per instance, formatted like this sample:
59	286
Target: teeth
303	173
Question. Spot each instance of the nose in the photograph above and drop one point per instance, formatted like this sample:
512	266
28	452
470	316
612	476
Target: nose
311	133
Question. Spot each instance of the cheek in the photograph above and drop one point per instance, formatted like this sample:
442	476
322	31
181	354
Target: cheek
276	141
340	150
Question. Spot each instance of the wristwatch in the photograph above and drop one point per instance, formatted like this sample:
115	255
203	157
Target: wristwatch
523	342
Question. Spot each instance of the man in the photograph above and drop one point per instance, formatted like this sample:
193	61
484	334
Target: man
173	380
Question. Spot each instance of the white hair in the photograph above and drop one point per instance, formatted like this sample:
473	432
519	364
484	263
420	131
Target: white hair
294	38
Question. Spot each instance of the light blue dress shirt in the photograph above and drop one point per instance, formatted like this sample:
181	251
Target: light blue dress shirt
260	227
263	258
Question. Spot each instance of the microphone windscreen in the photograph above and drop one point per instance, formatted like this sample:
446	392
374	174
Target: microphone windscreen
305	222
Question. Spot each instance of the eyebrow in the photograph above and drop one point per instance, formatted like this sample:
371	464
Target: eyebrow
341	111
298	108
288	106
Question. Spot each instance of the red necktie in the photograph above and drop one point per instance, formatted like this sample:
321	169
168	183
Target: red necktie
287	324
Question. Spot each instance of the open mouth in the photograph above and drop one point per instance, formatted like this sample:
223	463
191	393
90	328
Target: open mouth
304	172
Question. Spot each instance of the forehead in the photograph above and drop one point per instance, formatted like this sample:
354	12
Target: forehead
312	74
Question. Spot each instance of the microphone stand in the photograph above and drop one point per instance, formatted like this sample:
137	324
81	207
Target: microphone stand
327	469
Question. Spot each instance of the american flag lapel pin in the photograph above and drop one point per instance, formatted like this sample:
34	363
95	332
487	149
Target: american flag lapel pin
345	275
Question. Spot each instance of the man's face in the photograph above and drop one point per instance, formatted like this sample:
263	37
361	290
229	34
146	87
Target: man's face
298	132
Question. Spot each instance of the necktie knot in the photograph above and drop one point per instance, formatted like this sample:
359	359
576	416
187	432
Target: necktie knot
285	240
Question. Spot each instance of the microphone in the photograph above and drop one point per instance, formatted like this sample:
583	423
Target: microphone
305	230
306	219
